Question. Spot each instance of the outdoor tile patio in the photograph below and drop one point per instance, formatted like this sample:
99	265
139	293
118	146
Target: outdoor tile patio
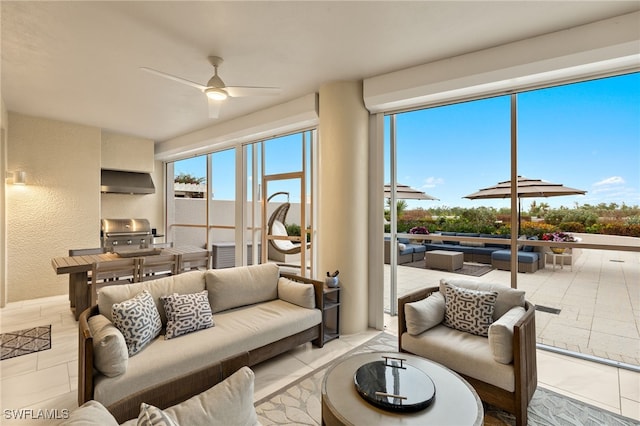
598	299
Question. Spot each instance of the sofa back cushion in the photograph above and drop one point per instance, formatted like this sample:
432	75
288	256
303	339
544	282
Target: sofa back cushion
245	285
507	297
189	282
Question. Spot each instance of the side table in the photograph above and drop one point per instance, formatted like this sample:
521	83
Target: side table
561	256
330	313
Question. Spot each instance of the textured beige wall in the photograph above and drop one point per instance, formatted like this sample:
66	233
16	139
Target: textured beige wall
58	209
343	201
129	153
3	229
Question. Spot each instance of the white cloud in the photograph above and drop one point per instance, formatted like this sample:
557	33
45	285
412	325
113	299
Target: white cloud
432	182
613	180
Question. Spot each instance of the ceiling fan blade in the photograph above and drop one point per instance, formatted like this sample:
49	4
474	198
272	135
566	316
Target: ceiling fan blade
174	78
214	107
240	91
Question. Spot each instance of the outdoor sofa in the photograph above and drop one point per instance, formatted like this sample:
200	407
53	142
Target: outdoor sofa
498	254
258	313
407	251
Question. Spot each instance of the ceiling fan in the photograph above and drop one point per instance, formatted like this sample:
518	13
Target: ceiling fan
215	88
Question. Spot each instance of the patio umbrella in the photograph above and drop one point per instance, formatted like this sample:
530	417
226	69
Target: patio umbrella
405	192
527	188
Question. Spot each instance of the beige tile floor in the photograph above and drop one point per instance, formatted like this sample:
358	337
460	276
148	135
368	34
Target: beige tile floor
47	380
598	298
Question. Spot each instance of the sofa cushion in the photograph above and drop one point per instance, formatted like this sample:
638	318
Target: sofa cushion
110	353
90	413
507	297
452	348
237	330
501	335
187	313
230	402
138	320
234	287
469	310
424	314
153	416
188	282
300	294
523	256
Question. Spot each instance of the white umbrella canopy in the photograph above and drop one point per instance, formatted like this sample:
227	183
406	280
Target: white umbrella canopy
527	188
405	192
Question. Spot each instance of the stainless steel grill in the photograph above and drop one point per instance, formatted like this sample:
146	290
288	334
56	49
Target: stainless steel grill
130	233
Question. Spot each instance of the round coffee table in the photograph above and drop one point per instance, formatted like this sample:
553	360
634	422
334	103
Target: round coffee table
456	402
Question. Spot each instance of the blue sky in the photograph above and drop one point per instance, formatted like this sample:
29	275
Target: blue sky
584	135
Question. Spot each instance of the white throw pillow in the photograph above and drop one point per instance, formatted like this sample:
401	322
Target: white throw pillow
424	314
138	320
230	402
110	353
501	335
90	413
300	294
187	313
153	416
469	310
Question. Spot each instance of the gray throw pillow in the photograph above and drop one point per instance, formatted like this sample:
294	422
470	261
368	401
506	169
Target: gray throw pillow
469	310
187	313
138	320
110	353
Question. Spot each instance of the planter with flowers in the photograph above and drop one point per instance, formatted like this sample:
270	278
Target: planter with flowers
422	230
558	237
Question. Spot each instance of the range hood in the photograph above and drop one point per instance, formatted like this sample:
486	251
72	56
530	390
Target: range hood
116	181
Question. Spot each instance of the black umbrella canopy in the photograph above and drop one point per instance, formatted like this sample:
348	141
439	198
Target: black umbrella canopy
527	188
405	192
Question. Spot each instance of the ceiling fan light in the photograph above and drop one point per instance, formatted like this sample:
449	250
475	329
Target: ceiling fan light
216	94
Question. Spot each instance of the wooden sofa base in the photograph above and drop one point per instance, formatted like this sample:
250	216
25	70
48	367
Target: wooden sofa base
182	388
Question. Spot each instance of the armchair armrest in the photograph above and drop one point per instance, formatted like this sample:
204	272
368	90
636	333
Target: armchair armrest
524	356
85	356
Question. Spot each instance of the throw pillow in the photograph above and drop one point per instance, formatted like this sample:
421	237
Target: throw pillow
153	416
230	402
424	314
90	413
501	335
138	320
469	310
187	313
110	353
507	297
300	294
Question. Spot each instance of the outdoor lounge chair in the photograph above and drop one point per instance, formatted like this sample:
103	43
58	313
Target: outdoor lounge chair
276	227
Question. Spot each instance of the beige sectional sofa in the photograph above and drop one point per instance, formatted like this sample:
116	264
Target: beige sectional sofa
258	313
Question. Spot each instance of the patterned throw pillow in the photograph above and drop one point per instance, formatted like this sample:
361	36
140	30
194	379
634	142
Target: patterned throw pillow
153	416
187	313
469	310
138	320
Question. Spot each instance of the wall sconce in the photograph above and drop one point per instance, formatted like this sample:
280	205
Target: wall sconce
18	177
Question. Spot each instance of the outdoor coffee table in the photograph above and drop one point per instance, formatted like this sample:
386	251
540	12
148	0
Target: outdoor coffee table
455	402
443	259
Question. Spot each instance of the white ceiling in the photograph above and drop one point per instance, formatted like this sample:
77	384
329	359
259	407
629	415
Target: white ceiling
79	61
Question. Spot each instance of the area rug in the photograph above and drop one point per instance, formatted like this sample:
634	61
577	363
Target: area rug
299	403
471	269
27	341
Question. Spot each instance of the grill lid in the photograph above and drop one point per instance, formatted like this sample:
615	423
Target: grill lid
125	227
